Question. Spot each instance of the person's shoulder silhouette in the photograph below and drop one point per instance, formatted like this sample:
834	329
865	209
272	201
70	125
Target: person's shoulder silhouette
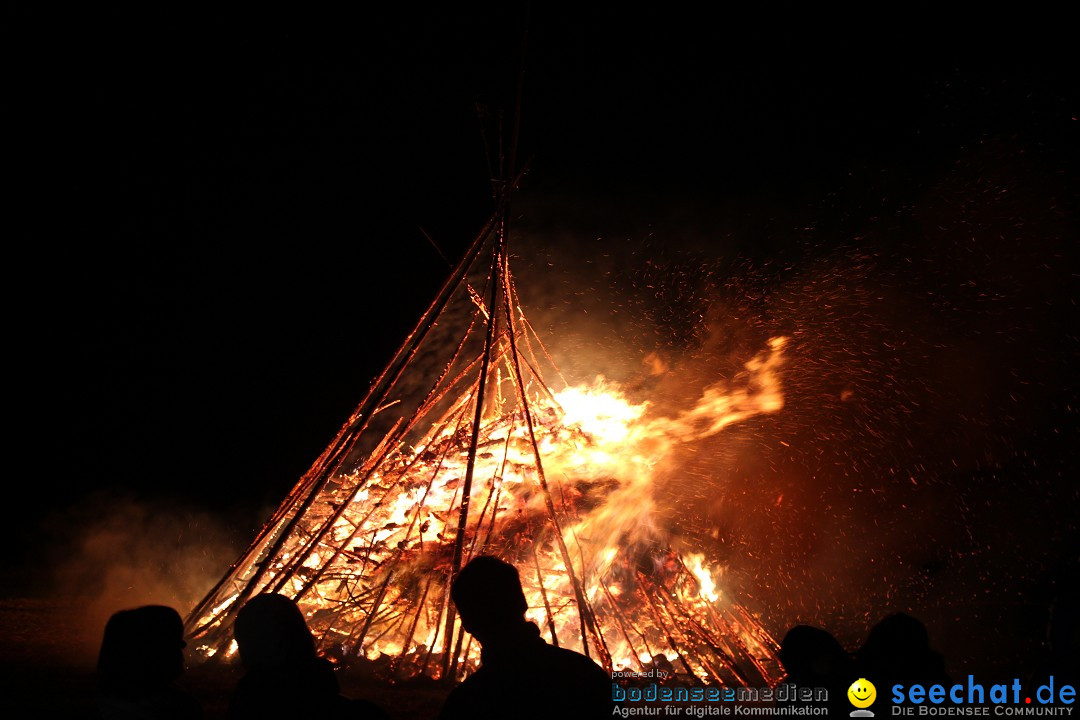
520	675
284	677
897	650
813	658
140	659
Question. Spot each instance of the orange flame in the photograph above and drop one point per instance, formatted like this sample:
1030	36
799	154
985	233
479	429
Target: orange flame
373	587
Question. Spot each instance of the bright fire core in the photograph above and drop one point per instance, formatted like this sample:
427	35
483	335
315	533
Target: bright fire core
369	560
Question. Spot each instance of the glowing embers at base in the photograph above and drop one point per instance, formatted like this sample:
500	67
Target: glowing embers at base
369	560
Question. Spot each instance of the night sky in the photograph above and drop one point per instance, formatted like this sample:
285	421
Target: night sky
215	226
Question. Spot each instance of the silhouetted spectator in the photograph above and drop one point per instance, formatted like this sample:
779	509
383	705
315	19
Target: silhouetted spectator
1063	627
897	650
284	676
520	675
661	663
813	658
140	659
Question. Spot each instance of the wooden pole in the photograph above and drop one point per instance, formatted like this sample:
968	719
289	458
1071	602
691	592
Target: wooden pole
585	616
449	661
543	594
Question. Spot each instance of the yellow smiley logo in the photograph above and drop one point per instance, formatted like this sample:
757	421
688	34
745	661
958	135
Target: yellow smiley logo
862	693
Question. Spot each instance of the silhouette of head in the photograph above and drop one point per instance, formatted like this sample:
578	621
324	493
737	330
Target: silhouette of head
898	648
897	640
810	653
142	650
271	633
489	599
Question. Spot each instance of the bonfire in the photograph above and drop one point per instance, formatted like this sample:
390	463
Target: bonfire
471	442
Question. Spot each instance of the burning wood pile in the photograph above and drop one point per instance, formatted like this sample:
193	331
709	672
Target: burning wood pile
485	457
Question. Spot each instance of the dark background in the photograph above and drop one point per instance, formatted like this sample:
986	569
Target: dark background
214	229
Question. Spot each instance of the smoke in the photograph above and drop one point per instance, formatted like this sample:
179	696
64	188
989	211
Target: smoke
116	552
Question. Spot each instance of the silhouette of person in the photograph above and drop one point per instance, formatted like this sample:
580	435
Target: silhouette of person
520	675
813	658
897	650
284	677
1063	634
1062	640
140	659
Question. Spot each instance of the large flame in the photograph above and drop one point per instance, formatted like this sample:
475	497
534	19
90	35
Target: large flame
375	585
